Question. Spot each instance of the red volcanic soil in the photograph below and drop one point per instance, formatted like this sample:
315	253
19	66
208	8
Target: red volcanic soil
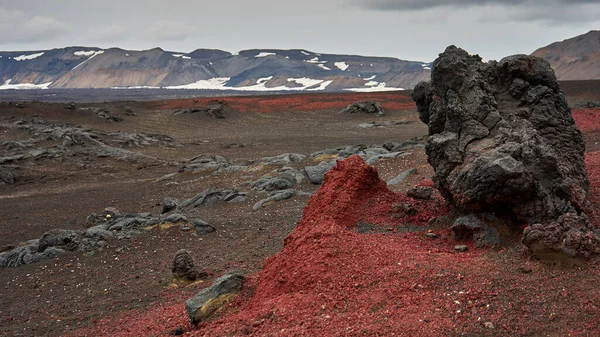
297	102
587	119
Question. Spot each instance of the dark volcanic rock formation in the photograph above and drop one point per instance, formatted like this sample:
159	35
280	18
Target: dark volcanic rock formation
367	107
502	139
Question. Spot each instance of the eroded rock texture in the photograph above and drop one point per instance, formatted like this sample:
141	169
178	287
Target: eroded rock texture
502	140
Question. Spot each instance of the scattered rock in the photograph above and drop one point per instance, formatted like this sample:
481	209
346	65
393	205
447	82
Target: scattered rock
183	266
404	145
175	218
178	331
273	183
489	325
432	235
106	116
501	138
206	302
461	248
66	239
367	107
275	196
317	173
525	269
400	178
214	109
283	159
206	163
71	106
8	174
588	105
420	192
202	227
401	209
210	197
168	204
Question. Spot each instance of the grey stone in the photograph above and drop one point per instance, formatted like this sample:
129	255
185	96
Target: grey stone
168	204
59	238
461	248
175	218
317	173
230	283
98	232
420	192
202	227
8	174
182	266
401	177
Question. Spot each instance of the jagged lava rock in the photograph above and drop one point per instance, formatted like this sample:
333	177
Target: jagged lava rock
502	139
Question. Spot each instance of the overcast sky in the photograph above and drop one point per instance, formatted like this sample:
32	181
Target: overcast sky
410	30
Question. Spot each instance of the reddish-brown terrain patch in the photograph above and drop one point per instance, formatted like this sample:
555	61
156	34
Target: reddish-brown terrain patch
296	102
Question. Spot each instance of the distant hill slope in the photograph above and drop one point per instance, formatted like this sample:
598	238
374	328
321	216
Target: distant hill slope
577	58
250	70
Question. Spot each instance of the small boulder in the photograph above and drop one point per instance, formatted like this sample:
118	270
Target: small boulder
202	227
200	307
183	267
420	192
168	204
317	173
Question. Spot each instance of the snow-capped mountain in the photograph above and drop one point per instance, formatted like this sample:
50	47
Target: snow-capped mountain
248	70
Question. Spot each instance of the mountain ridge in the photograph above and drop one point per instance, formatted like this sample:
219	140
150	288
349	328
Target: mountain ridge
576	58
247	70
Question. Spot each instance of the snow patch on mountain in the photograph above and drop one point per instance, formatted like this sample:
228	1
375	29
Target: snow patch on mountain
264	80
96	53
84	53
8	86
374	86
217	83
324	67
28	57
265	54
341	65
182	56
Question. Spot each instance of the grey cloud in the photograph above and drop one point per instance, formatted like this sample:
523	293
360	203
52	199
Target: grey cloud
425	4
110	33
170	31
16	26
549	12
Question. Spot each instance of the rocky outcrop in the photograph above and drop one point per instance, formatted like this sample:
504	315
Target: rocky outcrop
502	140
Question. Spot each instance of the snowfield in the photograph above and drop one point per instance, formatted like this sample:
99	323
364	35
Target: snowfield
84	53
341	65
219	83
28	57
264	54
8	86
96	53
